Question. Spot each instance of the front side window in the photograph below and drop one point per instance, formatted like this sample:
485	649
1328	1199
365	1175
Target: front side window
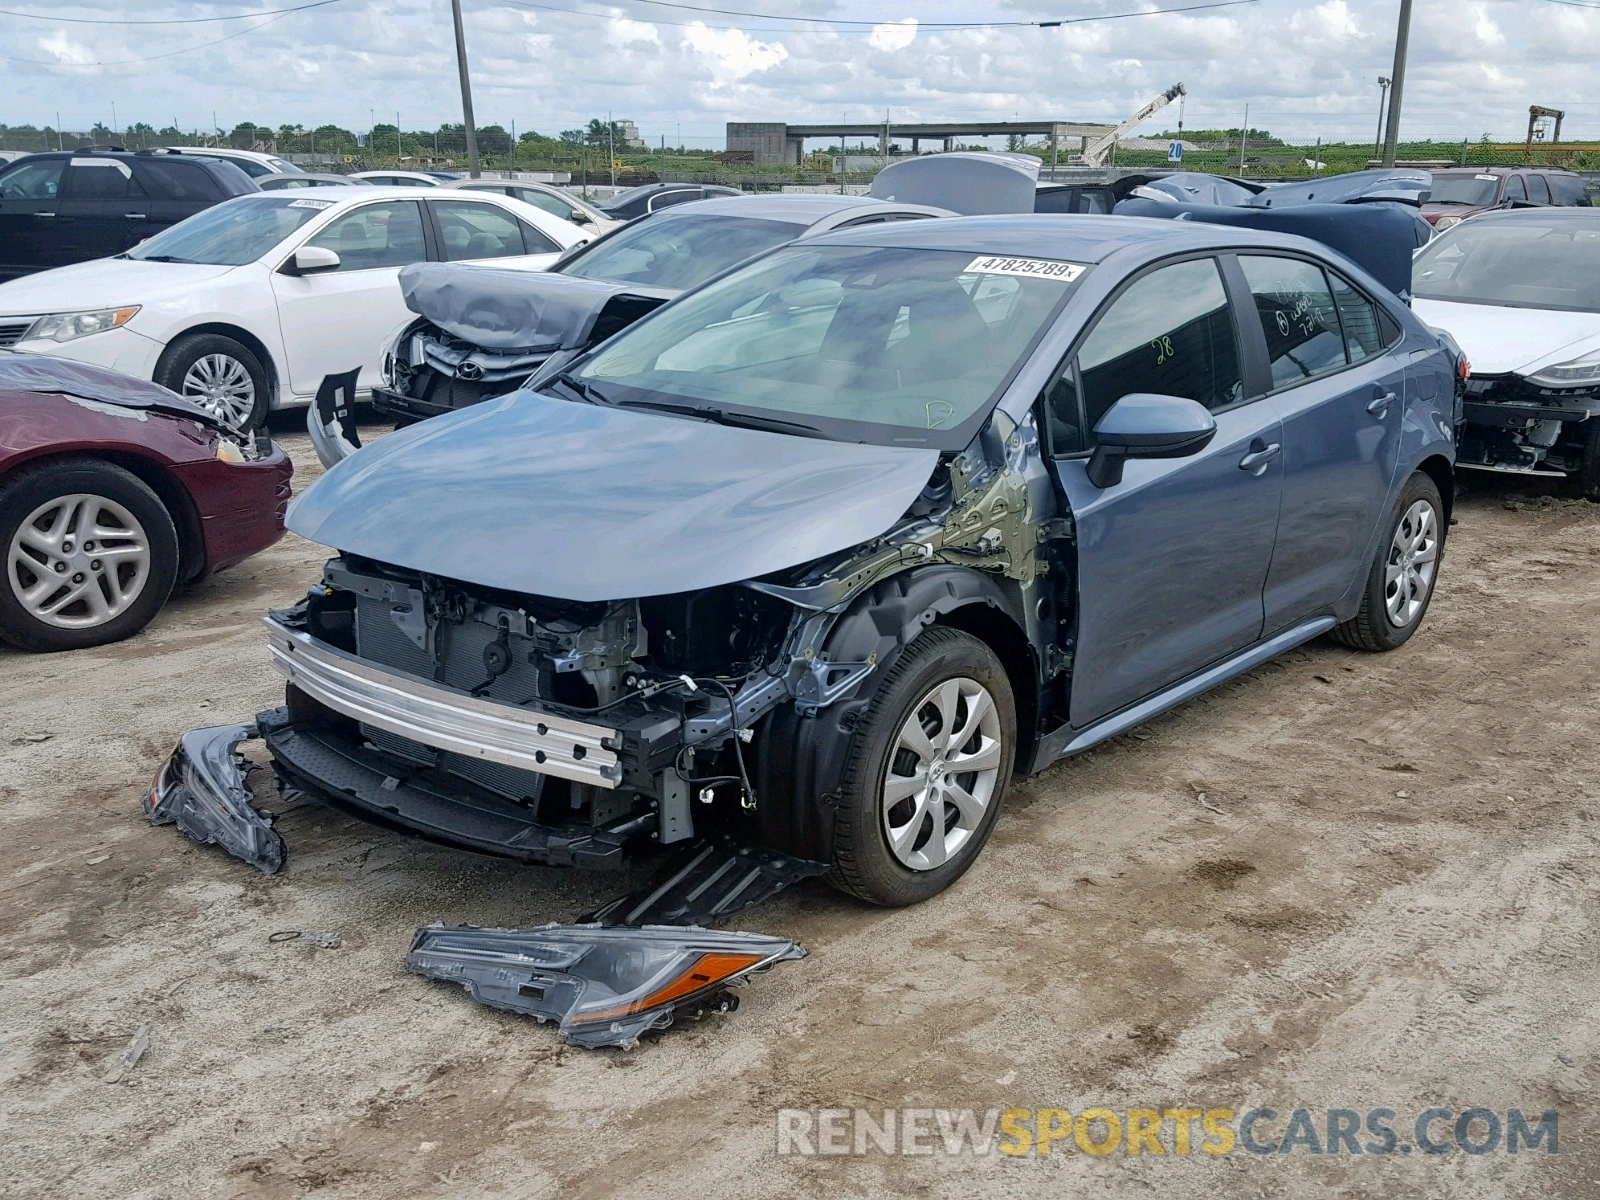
477	231
233	233
880	344
33	180
1538	192
1515	190
186	181
1172	333
680	251
1298	317
387	234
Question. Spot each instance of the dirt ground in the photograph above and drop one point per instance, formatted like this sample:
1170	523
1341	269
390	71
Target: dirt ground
1388	896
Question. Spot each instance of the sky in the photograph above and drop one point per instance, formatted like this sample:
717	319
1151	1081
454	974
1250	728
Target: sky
1305	70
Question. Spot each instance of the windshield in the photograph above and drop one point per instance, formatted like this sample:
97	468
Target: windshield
1463	189
680	252
1517	263
887	345
233	233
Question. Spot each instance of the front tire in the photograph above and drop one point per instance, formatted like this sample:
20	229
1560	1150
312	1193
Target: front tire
1404	571
925	772
91	555
220	374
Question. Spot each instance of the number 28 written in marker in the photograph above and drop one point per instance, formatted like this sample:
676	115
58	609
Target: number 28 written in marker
1163	348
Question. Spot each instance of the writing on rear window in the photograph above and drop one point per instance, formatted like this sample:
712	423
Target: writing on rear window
1032	268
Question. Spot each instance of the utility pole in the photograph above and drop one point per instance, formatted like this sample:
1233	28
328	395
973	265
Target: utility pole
611	149
1402	36
399	151
1377	138
466	91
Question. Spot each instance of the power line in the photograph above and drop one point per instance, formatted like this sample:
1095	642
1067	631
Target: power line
935	26
271	12
122	62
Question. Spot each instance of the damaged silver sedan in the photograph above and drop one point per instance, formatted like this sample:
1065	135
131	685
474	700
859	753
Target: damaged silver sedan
821	555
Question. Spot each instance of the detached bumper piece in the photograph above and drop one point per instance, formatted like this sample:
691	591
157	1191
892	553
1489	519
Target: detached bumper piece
201	789
602	986
706	883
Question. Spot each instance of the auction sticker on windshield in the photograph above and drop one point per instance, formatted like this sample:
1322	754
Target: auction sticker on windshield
1030	268
311	204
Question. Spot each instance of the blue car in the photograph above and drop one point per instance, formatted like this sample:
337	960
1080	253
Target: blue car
822	554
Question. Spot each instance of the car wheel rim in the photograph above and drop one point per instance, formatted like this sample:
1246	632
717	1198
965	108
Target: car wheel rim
1413	557
942	774
222	385
78	561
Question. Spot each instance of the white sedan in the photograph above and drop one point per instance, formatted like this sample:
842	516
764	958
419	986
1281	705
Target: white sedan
246	306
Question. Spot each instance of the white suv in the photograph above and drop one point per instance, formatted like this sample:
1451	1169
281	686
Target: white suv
252	162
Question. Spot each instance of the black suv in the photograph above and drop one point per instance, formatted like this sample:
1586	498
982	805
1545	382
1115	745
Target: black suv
653	197
68	207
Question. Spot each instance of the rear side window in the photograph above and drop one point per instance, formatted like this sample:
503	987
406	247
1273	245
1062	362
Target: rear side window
1567	189
1515	190
535	242
550	204
33	180
1297	315
376	235
477	230
101	179
1537	191
1358	317
251	167
1171	332
165	179
667	199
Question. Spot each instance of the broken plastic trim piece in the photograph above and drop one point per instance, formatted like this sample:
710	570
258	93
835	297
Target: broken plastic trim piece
602	986
708	882
201	789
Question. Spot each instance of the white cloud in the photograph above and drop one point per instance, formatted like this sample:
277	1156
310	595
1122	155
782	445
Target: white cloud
64	50
896	35
732	52
621	32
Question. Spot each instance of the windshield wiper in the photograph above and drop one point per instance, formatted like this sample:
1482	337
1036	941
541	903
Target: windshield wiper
585	391
721	416
167	258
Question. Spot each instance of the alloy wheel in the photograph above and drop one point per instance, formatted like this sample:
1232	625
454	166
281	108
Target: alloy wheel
78	561
1413	558
942	773
222	385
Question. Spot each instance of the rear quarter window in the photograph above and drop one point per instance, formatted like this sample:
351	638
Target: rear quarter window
185	181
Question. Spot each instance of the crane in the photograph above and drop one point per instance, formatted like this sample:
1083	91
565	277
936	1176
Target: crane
1094	152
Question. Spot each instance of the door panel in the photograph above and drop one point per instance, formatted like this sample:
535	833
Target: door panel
336	321
1171	563
30	195
1172	560
104	204
1341	431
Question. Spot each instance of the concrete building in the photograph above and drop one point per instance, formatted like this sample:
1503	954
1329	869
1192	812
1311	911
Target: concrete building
630	136
777	143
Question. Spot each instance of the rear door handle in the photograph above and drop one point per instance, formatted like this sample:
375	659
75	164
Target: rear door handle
42	215
135	216
1260	455
1379	405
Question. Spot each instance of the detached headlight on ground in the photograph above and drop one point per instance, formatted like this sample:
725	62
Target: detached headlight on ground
603	985
65	327
1577	372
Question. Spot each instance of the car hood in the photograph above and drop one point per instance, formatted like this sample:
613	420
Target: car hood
550	497
1499	340
497	309
101	283
100	385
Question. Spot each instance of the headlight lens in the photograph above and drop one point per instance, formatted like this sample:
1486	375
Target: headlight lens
64	327
1578	372
1444	223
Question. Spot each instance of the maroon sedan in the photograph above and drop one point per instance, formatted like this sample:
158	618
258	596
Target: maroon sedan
112	491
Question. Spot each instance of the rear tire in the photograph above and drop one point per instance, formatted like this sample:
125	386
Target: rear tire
90	555
948	694
1404	571
221	375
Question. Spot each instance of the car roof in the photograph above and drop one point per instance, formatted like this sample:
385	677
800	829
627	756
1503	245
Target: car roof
1501	170
1074	238
807	207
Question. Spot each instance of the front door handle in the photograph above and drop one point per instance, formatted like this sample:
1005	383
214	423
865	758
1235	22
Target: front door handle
1379	405
135	216
1260	455
42	215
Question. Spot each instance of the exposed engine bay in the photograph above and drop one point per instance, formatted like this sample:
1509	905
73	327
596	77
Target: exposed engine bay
1515	425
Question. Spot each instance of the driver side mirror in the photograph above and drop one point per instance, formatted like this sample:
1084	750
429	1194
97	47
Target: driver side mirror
311	260
1146	425
580	218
